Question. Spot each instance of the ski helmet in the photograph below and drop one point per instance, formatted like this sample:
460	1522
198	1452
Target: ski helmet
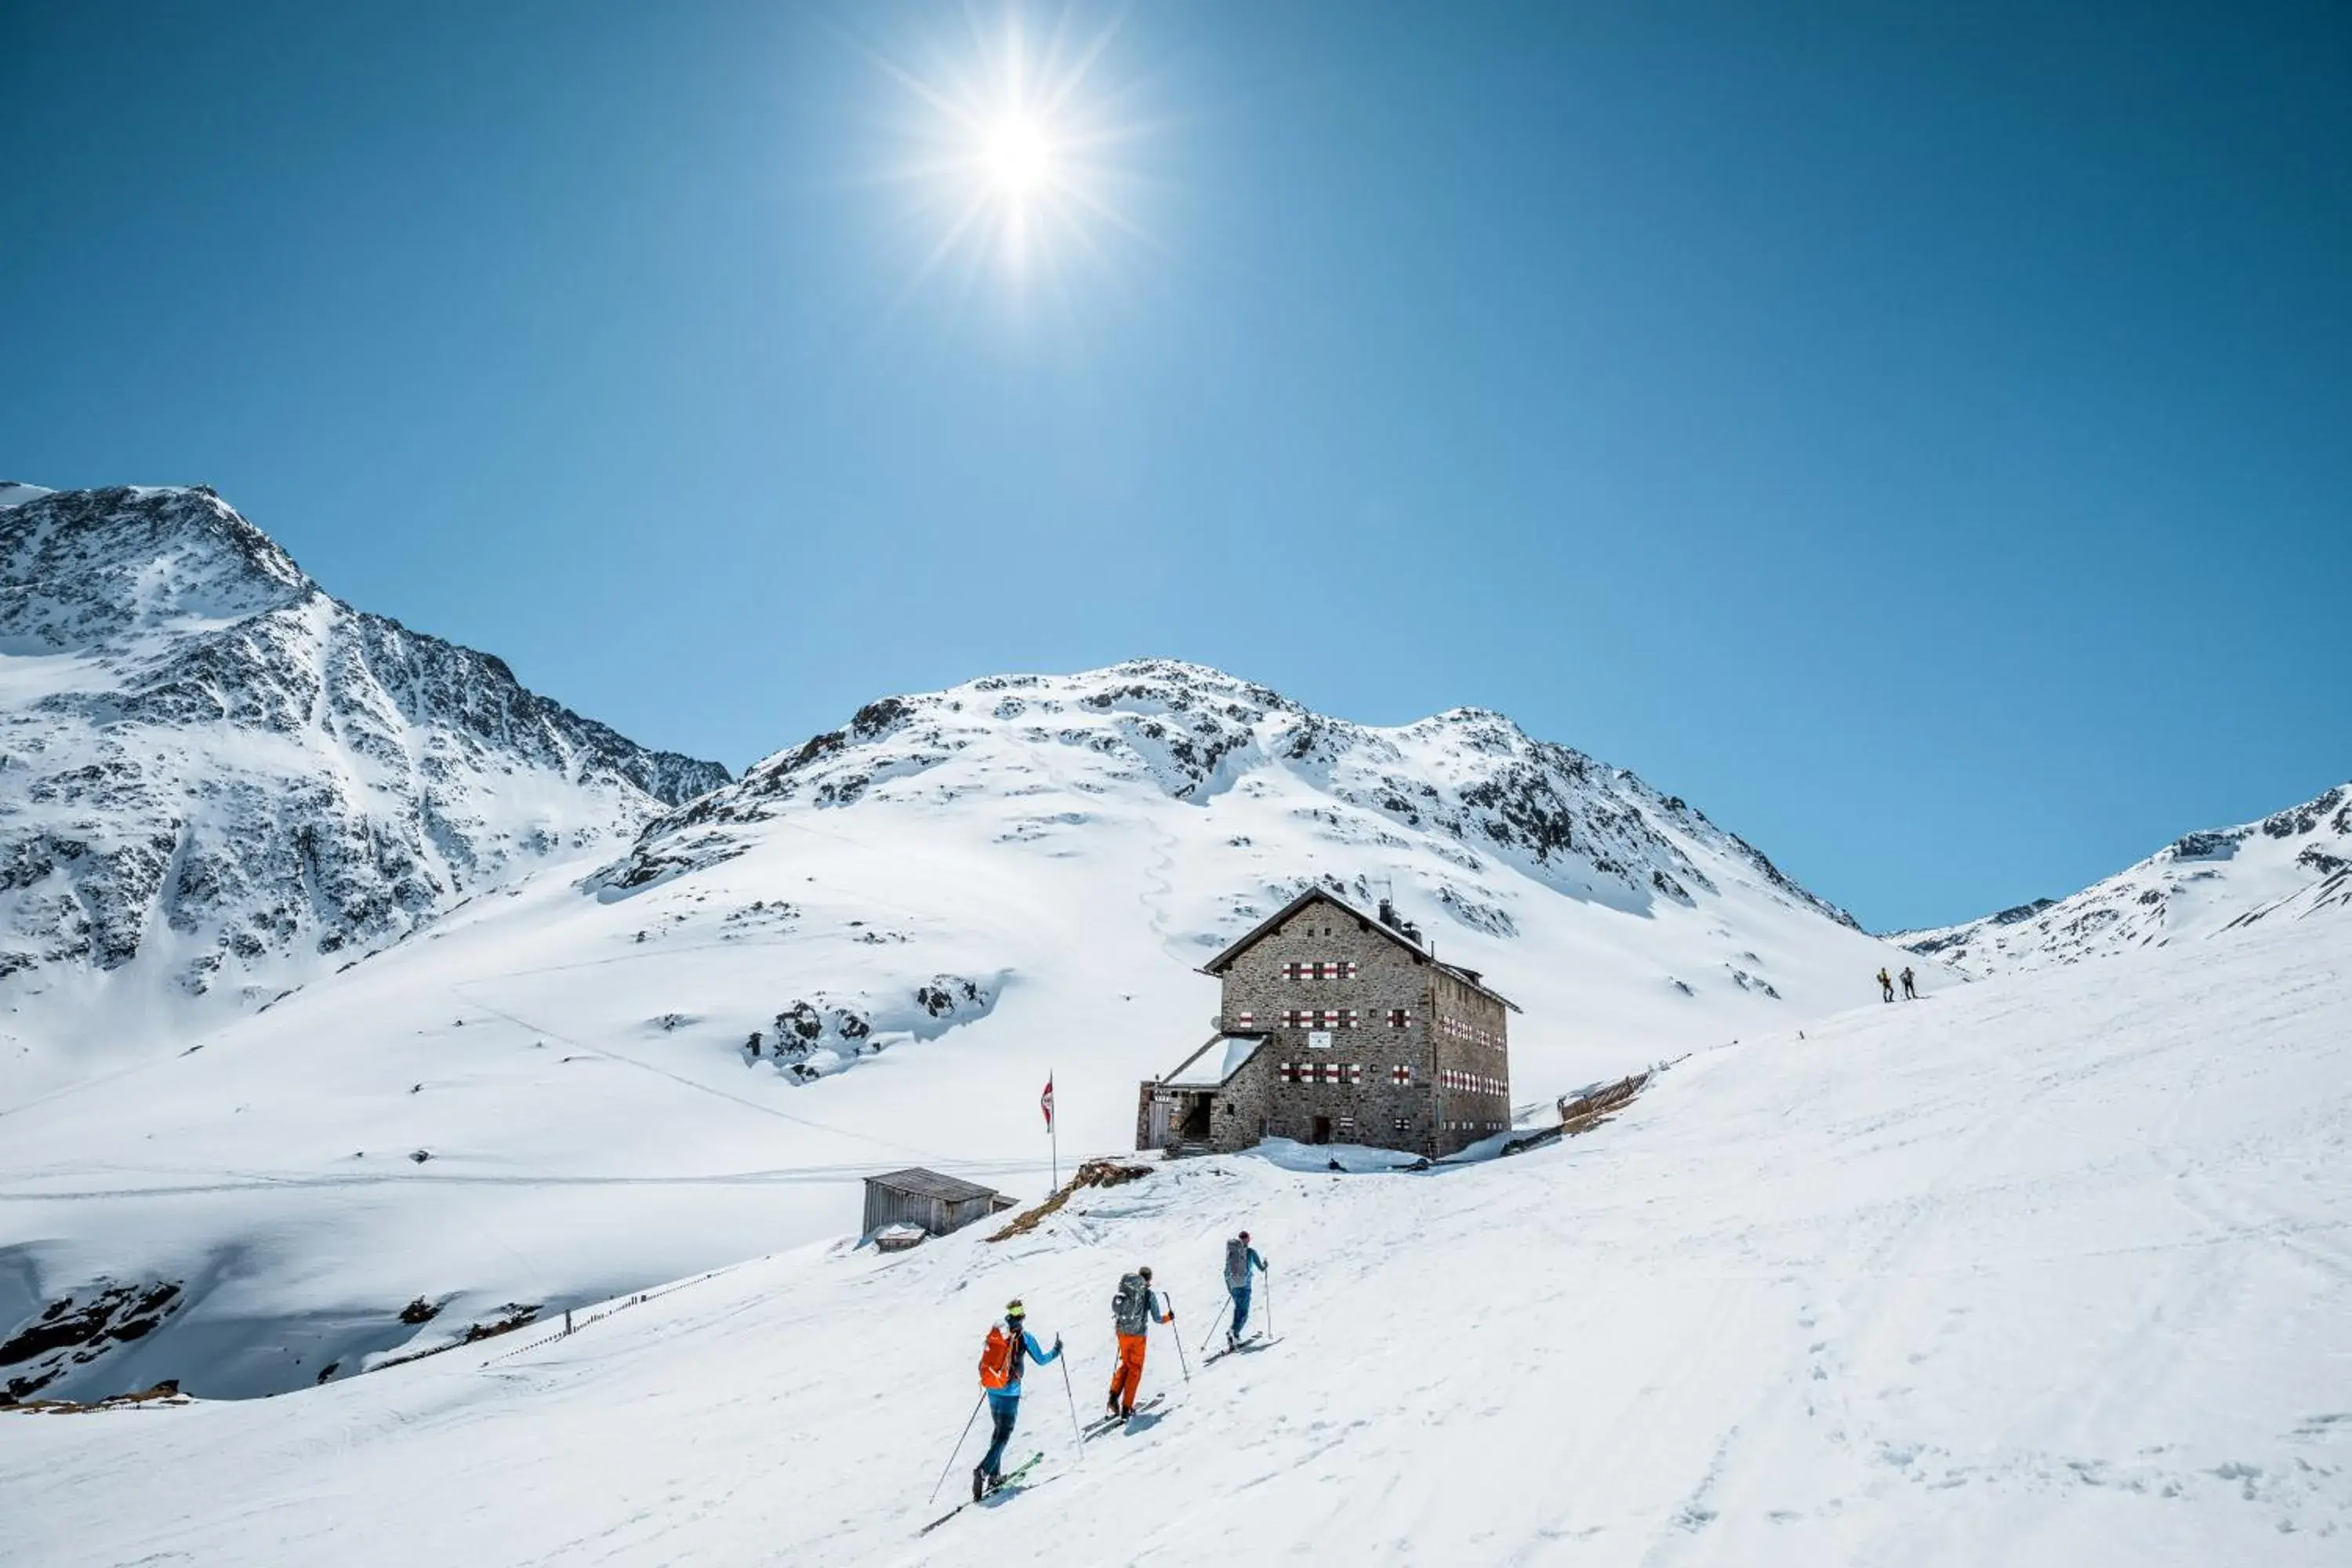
1013	1309
1145	1272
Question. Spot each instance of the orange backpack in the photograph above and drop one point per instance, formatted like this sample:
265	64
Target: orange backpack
996	1359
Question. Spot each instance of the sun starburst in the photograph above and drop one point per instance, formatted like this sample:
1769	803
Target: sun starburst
1015	149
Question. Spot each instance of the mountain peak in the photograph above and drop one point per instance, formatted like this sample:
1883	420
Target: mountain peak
233	776
83	567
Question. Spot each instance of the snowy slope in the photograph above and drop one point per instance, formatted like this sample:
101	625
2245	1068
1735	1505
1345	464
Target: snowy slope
218	783
2052	1269
2198	885
932	909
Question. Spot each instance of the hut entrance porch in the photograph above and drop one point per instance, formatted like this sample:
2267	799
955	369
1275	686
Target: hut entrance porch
1179	1116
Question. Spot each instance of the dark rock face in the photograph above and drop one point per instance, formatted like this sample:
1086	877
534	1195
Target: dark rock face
74	1330
208	749
2301	821
2218	845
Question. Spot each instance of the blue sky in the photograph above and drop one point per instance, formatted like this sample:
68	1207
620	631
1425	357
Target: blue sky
1923	440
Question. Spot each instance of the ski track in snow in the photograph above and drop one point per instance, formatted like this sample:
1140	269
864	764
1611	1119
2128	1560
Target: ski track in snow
2055	1270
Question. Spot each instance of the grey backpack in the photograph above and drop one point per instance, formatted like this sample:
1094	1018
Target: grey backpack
1237	1265
1130	1310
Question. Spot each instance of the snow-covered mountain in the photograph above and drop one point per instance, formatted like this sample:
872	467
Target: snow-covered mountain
1478	791
2292	865
551	1095
217	782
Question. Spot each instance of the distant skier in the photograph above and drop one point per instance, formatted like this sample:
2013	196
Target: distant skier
1240	1258
1910	985
1885	987
1132	1312
1010	1343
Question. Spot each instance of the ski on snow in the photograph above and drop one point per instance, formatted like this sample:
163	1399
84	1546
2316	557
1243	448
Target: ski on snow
1254	1342
1103	1423
1015	1481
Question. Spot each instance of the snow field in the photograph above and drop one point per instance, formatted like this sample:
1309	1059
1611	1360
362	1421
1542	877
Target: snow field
2052	1269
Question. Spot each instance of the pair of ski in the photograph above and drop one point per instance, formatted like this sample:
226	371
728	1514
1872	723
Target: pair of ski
1252	1344
1102	1423
1015	1480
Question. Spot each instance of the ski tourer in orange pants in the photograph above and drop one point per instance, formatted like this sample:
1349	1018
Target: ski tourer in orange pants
1133	1311
1127	1378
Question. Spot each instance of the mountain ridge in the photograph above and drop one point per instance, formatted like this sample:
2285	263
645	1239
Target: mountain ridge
1191	729
2291	863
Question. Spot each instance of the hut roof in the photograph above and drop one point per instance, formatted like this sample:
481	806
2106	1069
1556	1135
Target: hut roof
925	1183
1256	934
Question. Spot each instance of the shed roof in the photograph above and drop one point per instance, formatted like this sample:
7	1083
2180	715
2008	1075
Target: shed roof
1265	928
925	1183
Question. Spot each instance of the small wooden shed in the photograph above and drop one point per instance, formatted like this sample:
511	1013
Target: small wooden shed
938	1203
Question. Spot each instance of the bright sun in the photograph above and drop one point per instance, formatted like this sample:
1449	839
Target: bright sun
1018	155
1015	149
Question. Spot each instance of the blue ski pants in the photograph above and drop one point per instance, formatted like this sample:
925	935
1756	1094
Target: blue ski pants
1241	1307
1003	1411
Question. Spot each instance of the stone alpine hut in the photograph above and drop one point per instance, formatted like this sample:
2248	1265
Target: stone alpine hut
1338	1026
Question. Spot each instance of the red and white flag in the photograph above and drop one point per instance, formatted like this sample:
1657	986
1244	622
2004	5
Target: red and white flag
1046	1102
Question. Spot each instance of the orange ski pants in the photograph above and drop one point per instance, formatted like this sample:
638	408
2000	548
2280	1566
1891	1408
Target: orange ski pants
1128	1377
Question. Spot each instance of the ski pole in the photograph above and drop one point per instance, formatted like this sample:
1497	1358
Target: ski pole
1212	1327
958	1449
1072	1398
1179	1338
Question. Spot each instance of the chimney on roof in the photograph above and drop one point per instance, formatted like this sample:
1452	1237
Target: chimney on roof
1397	923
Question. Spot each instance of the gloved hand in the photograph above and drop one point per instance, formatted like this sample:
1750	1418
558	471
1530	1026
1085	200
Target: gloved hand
1057	1345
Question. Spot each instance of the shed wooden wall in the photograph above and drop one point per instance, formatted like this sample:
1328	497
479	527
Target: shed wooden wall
887	1206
